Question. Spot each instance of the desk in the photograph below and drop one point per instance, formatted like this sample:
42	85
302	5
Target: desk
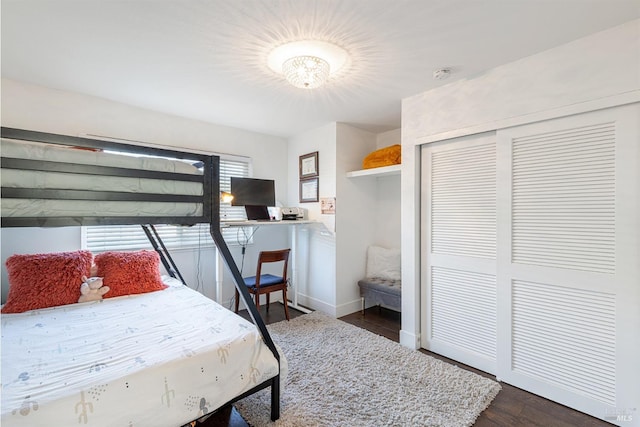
294	236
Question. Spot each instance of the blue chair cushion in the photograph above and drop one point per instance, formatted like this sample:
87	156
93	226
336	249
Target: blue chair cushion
265	280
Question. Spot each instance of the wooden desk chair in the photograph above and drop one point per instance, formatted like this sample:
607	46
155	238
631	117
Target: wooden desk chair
267	283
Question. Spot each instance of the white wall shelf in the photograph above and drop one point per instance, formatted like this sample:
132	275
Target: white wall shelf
375	172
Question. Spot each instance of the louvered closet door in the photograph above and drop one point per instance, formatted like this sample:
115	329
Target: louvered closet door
459	250
569	305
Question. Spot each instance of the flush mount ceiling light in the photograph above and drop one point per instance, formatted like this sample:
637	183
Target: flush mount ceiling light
308	64
306	72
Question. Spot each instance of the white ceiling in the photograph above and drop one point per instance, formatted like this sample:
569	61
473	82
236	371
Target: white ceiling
207	59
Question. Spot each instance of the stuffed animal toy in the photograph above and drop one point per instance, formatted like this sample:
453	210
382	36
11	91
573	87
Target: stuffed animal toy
92	289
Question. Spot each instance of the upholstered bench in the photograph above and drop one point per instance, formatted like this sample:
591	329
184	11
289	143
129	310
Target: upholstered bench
383	292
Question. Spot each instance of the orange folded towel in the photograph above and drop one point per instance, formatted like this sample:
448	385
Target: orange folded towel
383	157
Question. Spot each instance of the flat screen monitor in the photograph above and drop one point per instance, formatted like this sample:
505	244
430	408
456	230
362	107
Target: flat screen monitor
253	192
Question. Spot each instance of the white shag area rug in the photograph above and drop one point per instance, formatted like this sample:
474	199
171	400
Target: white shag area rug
342	375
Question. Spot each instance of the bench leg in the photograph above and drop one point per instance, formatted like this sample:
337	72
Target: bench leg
362	302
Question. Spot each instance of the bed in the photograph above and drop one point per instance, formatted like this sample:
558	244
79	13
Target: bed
162	356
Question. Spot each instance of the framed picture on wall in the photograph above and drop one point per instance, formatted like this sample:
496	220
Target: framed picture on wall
309	190
309	165
328	205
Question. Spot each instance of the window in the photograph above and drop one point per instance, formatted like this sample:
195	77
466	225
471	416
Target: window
232	167
132	237
236	166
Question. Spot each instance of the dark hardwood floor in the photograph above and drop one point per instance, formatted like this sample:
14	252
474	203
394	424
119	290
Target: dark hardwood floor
512	406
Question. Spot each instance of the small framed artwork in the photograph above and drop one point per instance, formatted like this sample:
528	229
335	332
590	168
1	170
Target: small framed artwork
328	205
309	165
309	190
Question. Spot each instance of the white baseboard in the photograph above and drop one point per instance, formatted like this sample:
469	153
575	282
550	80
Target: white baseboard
316	304
409	340
348	308
332	310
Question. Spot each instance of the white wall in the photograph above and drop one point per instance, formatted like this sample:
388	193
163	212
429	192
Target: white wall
317	283
580	75
594	72
322	140
387	225
356	214
338	248
388	138
49	110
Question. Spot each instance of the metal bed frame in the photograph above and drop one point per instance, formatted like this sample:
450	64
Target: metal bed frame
210	201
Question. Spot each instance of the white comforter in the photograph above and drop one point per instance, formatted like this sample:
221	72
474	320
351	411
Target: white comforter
156	359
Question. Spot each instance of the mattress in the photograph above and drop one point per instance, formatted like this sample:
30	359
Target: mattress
59	180
156	359
71	208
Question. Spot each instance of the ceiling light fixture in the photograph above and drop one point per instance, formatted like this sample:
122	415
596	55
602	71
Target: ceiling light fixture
306	72
308	64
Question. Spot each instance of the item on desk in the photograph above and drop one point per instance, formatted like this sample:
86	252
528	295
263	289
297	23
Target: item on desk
292	214
275	213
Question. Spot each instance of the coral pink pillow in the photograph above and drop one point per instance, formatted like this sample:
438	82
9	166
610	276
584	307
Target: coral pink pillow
130	272
45	280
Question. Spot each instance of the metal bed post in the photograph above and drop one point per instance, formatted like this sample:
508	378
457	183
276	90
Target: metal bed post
165	256
216	234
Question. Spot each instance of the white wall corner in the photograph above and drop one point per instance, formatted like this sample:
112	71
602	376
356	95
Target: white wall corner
410	240
355	219
388	138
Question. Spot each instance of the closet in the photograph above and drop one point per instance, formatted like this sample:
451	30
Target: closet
530	258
